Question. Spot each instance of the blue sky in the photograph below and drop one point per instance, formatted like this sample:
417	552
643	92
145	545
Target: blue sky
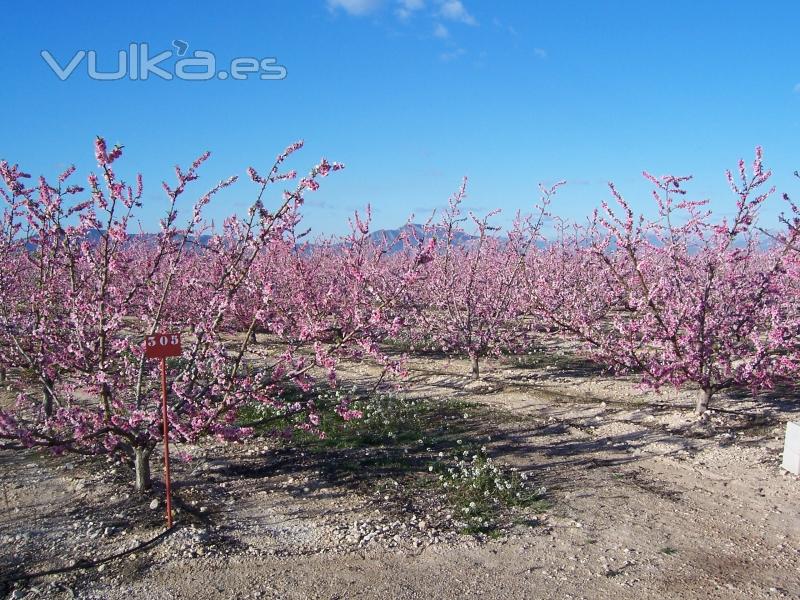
414	94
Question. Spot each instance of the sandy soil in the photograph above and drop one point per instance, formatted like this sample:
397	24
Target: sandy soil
646	502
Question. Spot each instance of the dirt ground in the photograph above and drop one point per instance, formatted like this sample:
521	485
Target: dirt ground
645	501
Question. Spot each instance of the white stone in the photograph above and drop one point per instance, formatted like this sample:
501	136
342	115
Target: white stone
791	448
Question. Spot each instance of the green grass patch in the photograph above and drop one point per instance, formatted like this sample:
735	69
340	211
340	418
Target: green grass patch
424	448
480	489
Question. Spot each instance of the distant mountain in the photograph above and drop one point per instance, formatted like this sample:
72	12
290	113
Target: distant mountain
415	231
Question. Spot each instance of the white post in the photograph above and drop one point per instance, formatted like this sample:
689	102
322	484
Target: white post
791	448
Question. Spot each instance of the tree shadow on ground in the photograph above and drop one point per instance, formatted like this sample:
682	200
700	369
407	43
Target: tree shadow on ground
557	364
783	397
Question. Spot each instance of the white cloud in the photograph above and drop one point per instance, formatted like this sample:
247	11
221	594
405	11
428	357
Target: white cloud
408	8
454	10
440	31
355	7
540	53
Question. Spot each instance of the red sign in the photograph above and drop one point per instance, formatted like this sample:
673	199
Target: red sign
162	345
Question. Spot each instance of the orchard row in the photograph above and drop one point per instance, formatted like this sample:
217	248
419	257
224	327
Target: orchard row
682	299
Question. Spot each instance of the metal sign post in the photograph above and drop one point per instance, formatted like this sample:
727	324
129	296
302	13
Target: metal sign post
161	346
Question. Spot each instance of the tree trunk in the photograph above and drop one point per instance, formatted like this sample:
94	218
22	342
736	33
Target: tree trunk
2	374
47	396
105	397
253	338
141	461
476	371
703	401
